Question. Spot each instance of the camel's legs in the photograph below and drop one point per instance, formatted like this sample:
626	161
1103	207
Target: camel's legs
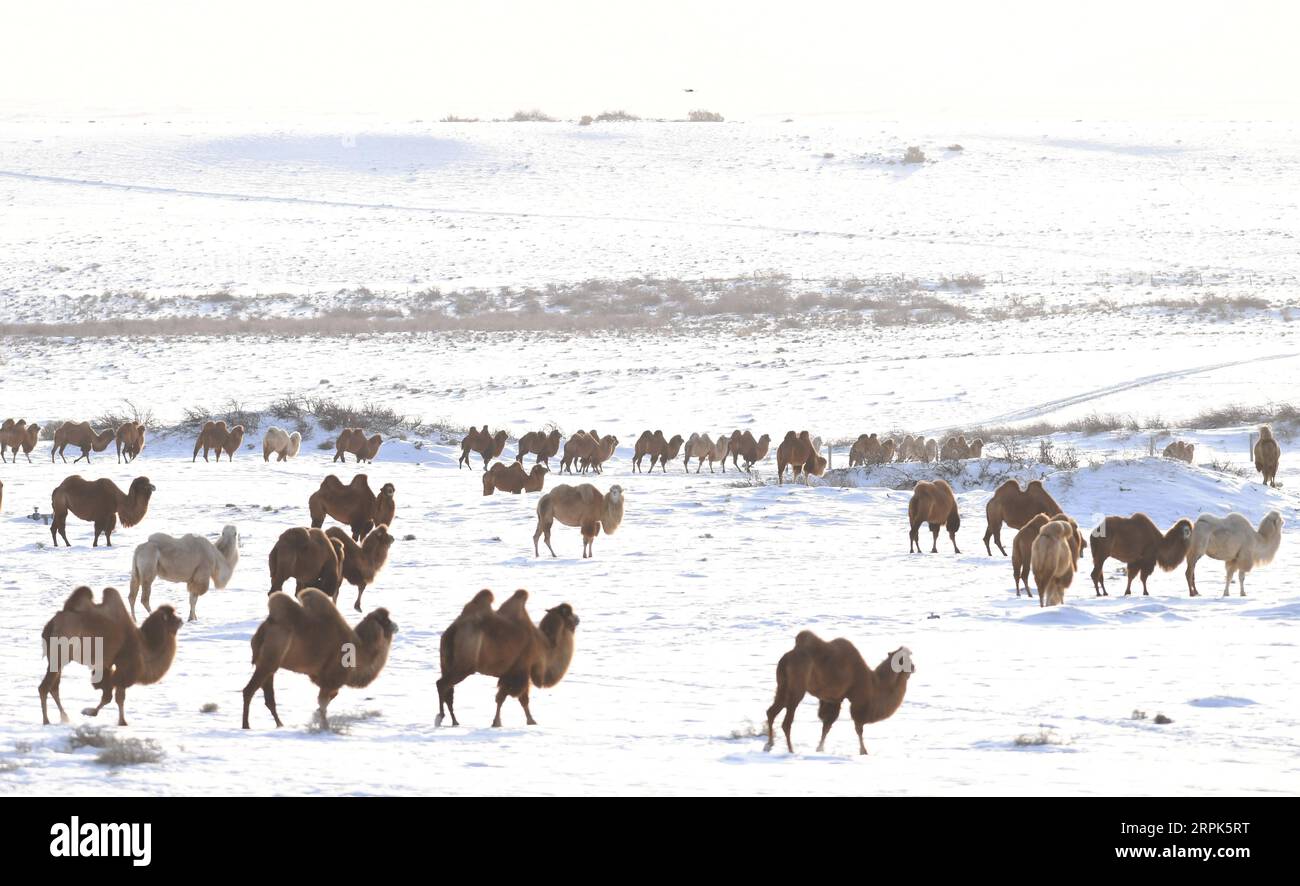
106	693
262	673
323	699
828	712
446	696
50	686
788	721
934	529
120	696
862	747
268	698
1131	571
357	605
953	536
1191	578
502	695
523	701
771	718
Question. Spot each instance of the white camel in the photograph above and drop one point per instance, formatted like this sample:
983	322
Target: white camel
190	559
1234	541
280	442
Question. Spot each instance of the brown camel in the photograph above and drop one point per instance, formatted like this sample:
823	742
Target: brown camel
1053	559
816	466
1015	507
485	443
355	441
578	448
514	479
1267	455
1180	451
308	636
865	450
18	435
887	450
701	447
1022	545
660	450
581	506
82	436
1136	542
544	445
930	452
353	505
214	435
601	453
794	452
833	672
751	451
103	637
129	441
311	558
507	645
362	562
977	448
99	502
932	502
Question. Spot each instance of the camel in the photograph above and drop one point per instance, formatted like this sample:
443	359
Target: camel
1022	547
19	435
865	450
1052	557
308	636
514	479
191	559
747	448
215	435
834	671
544	445
485	443
795	451
1015	507
103	637
581	506
579	446
99	502
933	503
976	448
955	448
1136	542
353	505
1179	451
129	441
280	443
507	645
930	452
815	466
1234	541
600	454
310	557
362	562
700	447
887	450
660	450
354	440
1267	454
82	436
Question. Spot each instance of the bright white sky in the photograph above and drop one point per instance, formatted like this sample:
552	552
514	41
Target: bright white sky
977	58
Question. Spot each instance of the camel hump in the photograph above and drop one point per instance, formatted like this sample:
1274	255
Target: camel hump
283	609
331	483
806	640
481	603
113	605
82	599
514	607
320	609
340	552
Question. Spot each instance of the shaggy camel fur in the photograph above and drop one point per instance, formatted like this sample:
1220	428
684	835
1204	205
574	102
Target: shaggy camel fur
577	448
82	436
1015	507
930	452
1136	542
700	447
933	503
362	562
507	645
1052	557
887	450
310	557
815	466
794	452
1180	451
99	502
486	444
955	448
514	479
544	445
280	443
1234	541
1022	547
833	672
660	450
582	506
750	450
191	559
215	435
600	454
355	441
353	505
865	450
1267	455
308	636
103	637
19	435
129	441
977	448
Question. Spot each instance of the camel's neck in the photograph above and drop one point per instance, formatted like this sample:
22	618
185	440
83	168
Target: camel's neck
371	658
157	658
1268	549
559	653
883	691
228	551
131	507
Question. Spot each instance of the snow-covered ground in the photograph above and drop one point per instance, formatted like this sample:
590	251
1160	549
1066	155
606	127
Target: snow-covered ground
686	609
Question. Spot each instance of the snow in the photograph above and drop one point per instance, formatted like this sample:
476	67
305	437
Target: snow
687	607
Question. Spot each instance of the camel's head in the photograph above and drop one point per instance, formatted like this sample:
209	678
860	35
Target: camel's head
387	489
379	618
539	471
163	622
1265	433
900	661
142	488
564	615
229	535
1185	528
1271	524
615	495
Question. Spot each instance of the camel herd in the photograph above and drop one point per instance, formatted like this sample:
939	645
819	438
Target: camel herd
304	631
1049	543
